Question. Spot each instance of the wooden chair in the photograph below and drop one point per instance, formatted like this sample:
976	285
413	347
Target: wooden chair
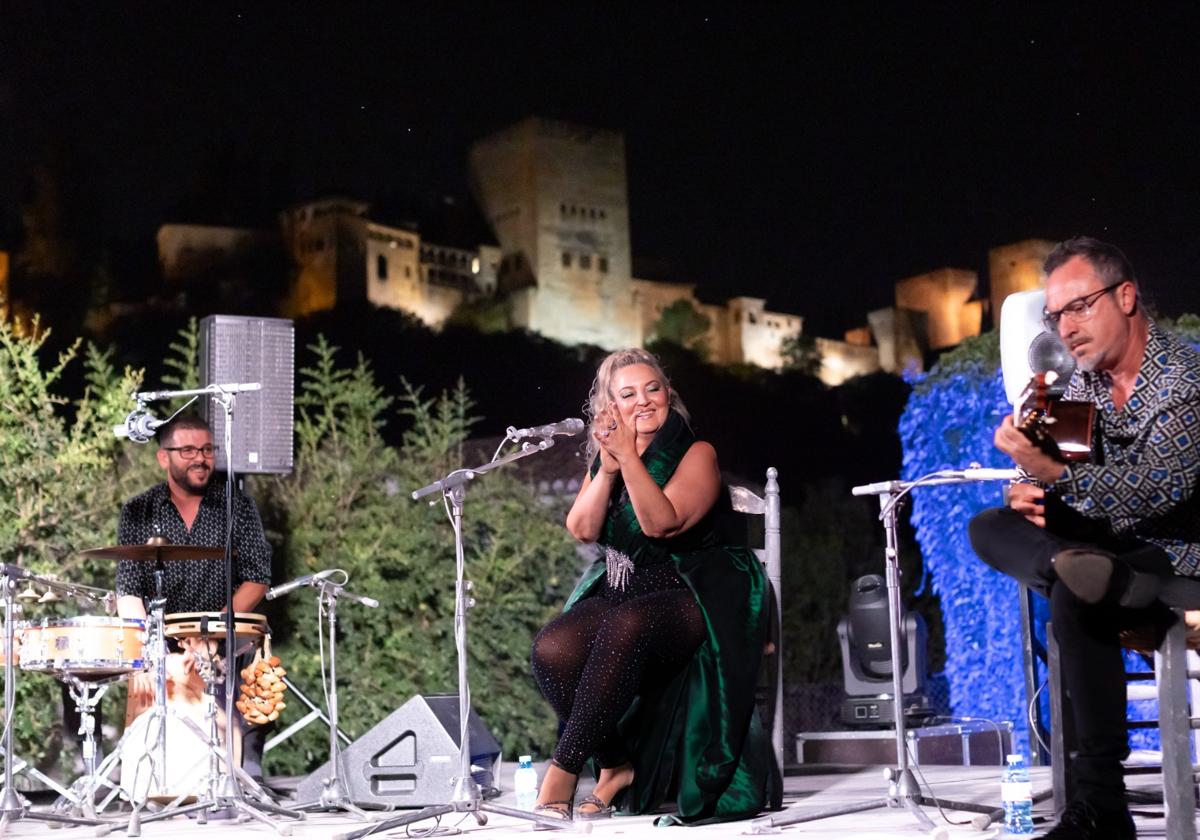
1177	694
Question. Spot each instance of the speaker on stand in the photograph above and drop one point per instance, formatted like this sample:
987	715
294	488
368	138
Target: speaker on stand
237	348
1027	347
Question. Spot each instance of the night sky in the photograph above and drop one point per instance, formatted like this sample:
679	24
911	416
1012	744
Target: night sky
809	156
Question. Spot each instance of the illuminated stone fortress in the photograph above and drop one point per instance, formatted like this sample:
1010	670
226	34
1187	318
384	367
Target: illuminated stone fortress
555	198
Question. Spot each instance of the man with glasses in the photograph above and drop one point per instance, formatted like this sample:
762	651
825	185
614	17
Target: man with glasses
188	508
1099	538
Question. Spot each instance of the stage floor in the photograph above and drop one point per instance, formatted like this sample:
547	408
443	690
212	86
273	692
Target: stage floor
812	790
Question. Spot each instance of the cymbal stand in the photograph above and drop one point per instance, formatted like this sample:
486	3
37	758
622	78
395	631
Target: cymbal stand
903	790
156	753
465	798
335	796
13	806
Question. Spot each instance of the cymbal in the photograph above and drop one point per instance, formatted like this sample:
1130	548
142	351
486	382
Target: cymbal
166	551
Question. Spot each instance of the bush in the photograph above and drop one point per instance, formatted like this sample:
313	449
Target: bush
64	475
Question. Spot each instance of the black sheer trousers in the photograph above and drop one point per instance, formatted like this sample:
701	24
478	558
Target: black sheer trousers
592	661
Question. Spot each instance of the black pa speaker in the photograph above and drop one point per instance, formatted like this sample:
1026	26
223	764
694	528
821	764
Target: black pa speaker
410	758
236	348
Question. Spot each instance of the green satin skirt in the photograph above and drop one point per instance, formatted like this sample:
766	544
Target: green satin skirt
698	741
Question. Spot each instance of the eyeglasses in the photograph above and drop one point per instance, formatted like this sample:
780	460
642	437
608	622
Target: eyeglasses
189	453
1079	309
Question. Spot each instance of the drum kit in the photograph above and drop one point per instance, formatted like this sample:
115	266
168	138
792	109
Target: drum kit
172	754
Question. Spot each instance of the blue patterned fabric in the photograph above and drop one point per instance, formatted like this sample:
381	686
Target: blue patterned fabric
1144	485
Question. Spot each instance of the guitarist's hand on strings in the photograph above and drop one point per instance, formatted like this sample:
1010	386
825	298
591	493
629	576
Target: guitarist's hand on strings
1029	500
1012	442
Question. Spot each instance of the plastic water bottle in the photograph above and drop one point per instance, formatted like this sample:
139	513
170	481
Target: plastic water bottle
1016	792
525	783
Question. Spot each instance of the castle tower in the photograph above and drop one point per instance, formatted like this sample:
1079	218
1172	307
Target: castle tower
944	296
1015	268
324	239
555	196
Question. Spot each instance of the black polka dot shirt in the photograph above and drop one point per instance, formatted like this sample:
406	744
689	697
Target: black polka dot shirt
192	585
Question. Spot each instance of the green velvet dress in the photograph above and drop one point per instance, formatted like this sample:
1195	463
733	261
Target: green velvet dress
698	741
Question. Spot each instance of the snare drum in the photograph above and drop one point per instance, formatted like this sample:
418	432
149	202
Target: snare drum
87	647
249	628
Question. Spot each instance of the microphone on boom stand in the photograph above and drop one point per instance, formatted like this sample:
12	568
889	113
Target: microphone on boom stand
567	428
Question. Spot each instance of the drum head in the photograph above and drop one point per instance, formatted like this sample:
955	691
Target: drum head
193	625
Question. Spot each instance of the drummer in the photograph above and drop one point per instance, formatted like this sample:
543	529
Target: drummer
189	509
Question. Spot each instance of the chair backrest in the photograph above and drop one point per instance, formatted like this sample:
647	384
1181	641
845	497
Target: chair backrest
746	501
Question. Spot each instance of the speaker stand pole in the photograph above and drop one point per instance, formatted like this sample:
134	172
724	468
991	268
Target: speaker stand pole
466	798
903	791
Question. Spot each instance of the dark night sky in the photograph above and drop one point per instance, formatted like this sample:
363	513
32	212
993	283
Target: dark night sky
809	156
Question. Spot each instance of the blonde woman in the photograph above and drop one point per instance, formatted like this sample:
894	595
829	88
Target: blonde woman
651	667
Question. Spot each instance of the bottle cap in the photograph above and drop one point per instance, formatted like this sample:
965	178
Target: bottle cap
525	759
1015	757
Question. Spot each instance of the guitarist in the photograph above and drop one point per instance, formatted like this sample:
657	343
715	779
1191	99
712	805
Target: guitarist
1099	538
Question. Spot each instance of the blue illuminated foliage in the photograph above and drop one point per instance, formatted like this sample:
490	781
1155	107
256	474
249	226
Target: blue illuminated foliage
948	423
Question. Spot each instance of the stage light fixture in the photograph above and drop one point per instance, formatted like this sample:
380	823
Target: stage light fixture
865	638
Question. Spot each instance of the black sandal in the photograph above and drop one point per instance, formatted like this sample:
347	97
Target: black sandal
603	811
560	810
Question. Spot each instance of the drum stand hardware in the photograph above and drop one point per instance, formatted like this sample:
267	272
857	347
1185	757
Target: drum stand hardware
156	753
334	794
903	790
466	797
85	703
13	806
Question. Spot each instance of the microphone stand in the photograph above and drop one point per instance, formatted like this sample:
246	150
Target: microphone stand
466	797
335	796
903	790
229	793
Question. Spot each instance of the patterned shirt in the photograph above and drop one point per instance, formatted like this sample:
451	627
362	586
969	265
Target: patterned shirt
1145	485
192	585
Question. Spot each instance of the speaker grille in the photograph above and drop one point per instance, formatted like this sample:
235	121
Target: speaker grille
235	348
1048	353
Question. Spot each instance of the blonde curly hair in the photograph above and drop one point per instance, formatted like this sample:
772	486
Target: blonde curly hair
600	396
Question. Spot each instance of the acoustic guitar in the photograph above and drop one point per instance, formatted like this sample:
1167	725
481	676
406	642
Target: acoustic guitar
1063	429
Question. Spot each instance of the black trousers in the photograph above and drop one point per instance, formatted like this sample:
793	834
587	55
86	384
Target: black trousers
1093	666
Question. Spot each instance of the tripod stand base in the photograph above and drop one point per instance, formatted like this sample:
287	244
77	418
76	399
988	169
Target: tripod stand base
903	792
478	809
334	799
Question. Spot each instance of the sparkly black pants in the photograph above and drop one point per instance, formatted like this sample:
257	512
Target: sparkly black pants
592	661
1093	667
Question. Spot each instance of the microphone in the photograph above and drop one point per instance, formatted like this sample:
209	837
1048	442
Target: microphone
988	474
877	489
568	428
139	426
359	599
306	580
230	388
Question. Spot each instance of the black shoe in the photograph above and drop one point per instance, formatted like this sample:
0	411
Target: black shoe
1093	576
1083	821
1086	572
